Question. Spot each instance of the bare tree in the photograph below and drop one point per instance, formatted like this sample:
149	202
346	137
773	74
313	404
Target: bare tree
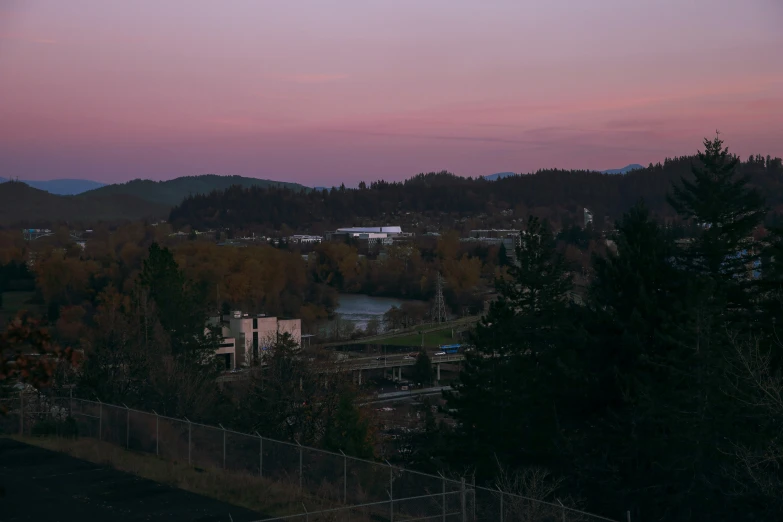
531	496
754	379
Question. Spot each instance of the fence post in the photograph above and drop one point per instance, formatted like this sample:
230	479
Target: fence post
345	478
301	489
224	445
70	402
444	495
260	455
189	438
391	491
475	500
462	501
100	420
21	413
157	433
127	426
501	504
628	516
564	510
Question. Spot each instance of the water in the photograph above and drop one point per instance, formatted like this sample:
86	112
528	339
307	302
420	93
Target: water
360	308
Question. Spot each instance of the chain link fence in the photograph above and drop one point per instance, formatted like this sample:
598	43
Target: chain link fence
362	489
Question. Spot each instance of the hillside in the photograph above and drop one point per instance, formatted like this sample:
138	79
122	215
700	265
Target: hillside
624	170
62	187
173	191
21	204
556	194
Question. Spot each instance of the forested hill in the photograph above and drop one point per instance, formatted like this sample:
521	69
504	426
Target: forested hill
551	193
173	191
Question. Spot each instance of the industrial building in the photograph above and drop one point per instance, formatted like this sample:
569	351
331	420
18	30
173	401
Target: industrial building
246	337
370	235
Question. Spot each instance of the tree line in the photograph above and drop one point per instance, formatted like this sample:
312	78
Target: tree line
558	195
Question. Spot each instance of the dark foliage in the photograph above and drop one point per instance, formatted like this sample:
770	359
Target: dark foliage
565	192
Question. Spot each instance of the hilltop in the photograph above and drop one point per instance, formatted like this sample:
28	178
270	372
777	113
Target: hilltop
62	187
624	170
172	192
23	204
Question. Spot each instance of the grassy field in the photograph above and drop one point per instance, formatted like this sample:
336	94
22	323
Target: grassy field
239	489
431	339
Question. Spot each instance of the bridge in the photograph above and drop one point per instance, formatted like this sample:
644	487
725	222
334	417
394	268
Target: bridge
359	364
395	362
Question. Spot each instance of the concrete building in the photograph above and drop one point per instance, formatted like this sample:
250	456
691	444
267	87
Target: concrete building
246	337
370	235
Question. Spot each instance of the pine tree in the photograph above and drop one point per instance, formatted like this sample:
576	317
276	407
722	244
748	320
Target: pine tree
628	415
499	407
728	212
181	306
422	369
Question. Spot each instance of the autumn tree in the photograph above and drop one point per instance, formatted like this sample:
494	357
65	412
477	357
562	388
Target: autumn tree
28	355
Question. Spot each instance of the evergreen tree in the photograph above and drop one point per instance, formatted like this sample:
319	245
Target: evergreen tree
628	417
422	369
181	305
347	430
728	212
500	409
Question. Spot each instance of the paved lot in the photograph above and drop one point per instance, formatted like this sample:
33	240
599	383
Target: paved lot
42	485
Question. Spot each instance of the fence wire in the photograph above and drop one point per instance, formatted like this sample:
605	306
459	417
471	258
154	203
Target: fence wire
365	490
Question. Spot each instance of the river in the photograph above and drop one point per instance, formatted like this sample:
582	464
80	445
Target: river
360	308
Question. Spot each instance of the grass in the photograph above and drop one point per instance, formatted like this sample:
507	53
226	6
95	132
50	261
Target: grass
240	489
431	339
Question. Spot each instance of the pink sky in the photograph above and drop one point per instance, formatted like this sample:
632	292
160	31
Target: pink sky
352	90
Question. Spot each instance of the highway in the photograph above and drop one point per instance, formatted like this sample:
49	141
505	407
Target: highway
389	361
402	395
362	363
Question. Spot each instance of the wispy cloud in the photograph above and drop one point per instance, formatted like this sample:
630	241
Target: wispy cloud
313	78
27	39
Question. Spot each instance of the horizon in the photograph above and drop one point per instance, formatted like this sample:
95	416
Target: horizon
111	94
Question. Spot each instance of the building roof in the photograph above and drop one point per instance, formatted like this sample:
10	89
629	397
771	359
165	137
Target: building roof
367	230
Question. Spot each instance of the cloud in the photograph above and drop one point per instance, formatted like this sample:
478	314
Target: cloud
27	39
313	78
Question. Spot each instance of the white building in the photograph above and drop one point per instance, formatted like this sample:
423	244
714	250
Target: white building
246	337
304	240
372	235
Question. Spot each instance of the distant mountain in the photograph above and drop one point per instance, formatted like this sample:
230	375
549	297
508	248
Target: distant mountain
173	191
624	170
62	187
23	204
493	177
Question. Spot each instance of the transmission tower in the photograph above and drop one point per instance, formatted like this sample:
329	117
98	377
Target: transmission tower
439	310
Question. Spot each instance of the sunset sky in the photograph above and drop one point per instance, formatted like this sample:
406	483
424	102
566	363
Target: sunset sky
321	92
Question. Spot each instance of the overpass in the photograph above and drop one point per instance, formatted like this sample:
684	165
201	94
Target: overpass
401	395
395	362
359	364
